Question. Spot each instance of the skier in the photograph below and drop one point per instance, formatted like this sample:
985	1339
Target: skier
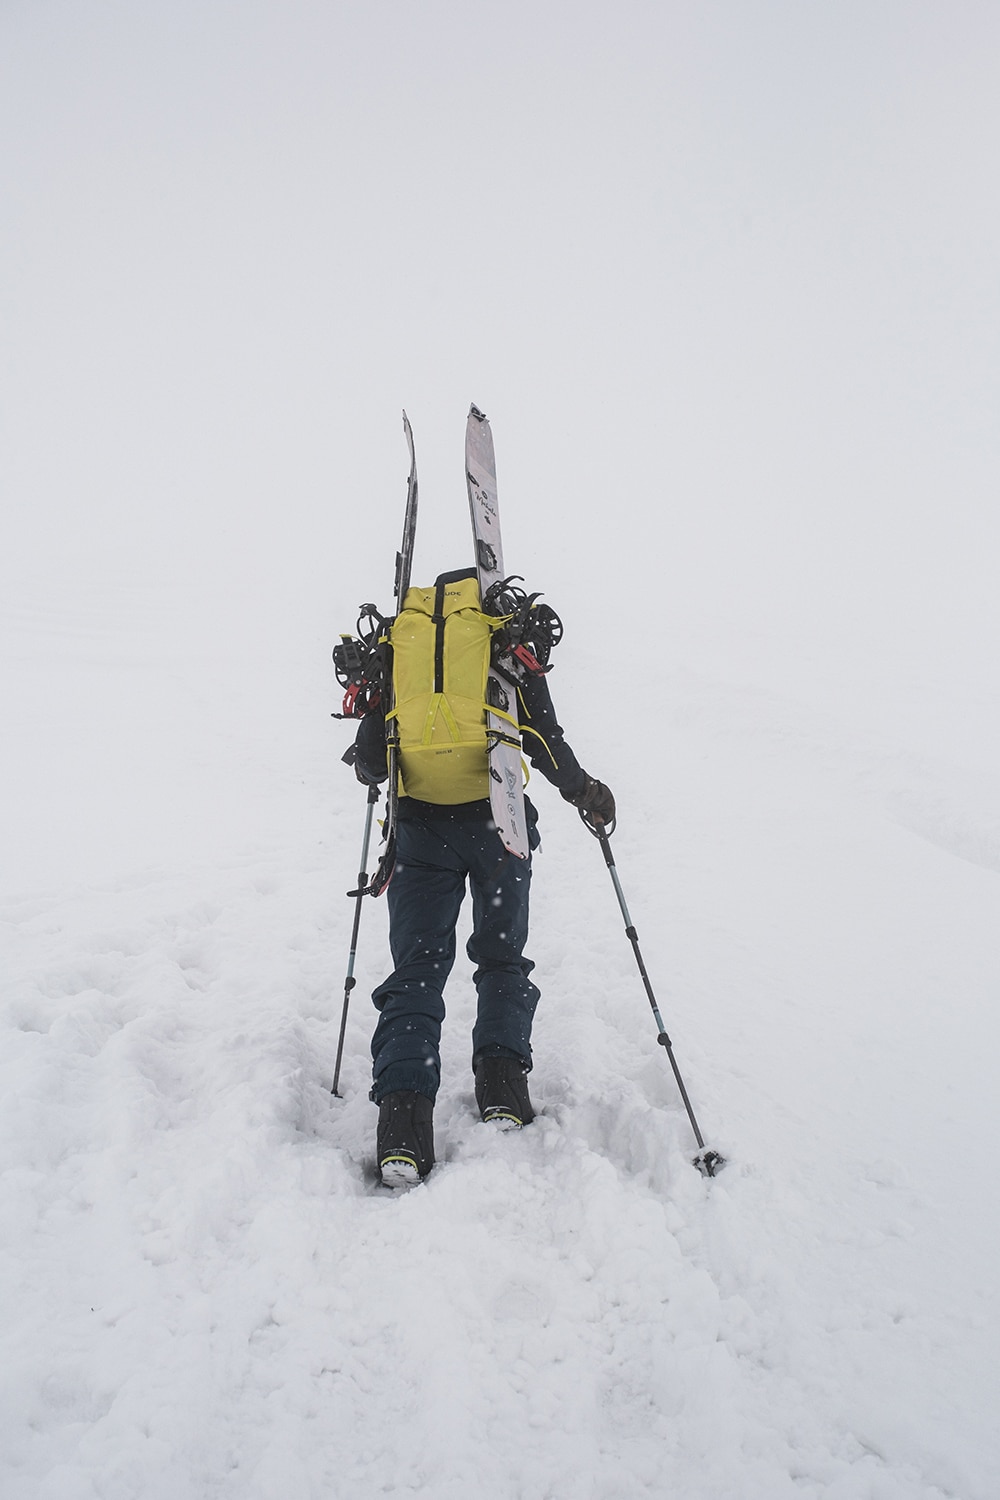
442	840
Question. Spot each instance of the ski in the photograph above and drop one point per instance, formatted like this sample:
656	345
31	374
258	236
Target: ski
404	557
503	737
404	560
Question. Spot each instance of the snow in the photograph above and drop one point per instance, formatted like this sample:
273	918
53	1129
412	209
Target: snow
738	303
206	1293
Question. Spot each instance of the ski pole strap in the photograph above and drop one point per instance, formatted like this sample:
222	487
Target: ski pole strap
603	832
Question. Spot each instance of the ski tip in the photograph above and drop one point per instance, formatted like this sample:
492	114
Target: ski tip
474	411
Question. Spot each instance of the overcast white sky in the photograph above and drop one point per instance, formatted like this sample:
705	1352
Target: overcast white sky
724	277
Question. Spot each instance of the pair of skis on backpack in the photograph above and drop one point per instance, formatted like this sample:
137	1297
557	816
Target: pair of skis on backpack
496	595
529	633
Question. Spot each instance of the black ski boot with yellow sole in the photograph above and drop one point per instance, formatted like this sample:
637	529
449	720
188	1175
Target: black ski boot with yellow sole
502	1092
405	1138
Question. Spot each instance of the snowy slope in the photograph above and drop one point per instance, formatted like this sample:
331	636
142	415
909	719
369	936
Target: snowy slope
204	1293
724	279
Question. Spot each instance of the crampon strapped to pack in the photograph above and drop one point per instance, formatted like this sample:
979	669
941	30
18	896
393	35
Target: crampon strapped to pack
359	665
529	632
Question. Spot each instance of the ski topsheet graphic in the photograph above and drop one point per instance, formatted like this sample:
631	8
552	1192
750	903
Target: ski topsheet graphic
404	560
503	737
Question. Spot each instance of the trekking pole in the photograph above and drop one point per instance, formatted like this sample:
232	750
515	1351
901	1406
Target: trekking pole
360	893
708	1162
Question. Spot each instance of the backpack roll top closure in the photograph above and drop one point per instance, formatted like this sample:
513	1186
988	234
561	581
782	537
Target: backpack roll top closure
441	654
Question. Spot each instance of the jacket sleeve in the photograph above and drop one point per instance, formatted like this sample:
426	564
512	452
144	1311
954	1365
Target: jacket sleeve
542	737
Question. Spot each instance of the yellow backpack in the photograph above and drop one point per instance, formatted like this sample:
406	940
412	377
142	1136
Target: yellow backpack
440	658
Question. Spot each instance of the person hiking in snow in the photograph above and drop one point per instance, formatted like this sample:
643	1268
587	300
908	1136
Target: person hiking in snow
445	835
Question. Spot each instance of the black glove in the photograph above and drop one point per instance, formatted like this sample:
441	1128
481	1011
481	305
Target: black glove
594	800
350	758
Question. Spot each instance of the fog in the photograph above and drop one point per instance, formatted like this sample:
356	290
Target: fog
723	279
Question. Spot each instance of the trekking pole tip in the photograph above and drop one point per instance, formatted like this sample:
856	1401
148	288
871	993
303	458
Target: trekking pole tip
709	1163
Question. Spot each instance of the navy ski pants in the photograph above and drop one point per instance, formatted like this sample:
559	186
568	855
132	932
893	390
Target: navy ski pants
435	854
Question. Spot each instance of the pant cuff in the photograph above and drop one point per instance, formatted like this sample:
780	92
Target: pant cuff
415	1077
